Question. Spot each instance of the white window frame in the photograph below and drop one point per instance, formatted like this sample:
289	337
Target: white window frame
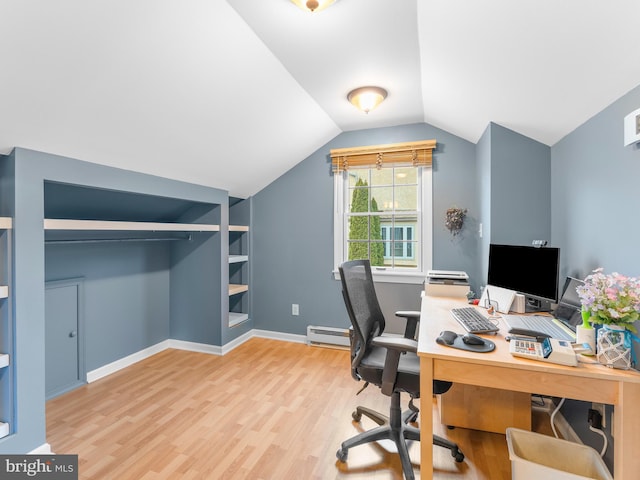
425	220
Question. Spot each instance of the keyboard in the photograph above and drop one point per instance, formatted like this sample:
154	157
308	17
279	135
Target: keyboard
473	321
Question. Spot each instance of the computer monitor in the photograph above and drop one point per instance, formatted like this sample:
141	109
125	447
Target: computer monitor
531	271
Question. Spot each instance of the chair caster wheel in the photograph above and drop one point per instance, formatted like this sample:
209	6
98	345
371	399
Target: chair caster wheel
356	416
458	455
342	455
412	418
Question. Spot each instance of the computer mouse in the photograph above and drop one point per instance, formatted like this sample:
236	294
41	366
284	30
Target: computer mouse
446	338
471	339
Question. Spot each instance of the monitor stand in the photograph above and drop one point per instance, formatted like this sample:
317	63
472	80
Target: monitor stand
533	305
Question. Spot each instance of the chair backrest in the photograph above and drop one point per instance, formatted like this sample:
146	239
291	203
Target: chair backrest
362	305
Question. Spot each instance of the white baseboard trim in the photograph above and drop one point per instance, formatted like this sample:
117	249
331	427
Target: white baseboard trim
44	449
564	429
235	343
113	367
286	337
195	347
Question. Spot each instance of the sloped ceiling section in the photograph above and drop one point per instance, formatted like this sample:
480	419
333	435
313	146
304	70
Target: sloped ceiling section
233	93
183	90
541	68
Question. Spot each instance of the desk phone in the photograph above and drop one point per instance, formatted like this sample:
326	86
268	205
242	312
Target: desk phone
548	350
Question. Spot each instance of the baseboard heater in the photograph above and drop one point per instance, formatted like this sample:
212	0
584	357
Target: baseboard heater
327	336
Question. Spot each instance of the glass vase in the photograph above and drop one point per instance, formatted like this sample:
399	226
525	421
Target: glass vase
613	347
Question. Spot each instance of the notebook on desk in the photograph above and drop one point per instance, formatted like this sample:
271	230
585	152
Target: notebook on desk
566	317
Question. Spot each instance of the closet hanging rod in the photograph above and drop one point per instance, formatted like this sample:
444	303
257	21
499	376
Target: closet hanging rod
116	240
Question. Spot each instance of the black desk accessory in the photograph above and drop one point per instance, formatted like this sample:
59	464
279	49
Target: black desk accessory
455	340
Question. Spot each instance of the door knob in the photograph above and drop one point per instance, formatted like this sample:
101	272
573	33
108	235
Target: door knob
73	333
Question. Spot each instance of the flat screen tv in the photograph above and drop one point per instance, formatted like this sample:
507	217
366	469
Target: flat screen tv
531	271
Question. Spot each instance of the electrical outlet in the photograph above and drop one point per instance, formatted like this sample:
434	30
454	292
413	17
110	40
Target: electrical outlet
600	408
295	309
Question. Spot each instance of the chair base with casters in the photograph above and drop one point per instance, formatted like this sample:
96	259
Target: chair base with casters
395	428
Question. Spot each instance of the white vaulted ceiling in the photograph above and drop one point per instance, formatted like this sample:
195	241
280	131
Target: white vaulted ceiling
231	94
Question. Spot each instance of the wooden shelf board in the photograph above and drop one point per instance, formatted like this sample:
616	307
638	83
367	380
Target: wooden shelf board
6	223
237	318
238	258
63	224
235	288
238	228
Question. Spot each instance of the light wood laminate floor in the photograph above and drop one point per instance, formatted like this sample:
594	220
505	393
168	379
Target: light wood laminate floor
267	410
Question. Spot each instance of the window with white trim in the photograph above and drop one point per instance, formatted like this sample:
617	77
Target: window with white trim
383	211
385	215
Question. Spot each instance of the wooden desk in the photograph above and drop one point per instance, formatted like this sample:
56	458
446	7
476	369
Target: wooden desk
499	369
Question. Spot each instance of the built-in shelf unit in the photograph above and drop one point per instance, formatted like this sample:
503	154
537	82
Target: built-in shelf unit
238	270
6	384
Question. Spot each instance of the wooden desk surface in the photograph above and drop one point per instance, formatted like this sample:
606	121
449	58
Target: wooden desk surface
499	369
436	317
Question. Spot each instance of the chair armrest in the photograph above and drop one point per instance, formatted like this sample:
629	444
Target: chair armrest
413	317
395	347
396	343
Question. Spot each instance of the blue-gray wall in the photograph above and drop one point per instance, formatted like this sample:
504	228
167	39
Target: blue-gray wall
514	178
594	184
126	290
292	232
520	188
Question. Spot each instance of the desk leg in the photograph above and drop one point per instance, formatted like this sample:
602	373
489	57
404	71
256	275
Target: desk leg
626	425
426	418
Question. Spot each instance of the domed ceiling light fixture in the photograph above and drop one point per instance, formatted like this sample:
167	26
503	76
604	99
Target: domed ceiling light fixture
313	5
367	98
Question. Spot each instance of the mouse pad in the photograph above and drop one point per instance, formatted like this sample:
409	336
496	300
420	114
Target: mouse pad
488	346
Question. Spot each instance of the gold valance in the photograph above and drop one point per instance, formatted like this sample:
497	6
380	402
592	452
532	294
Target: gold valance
408	153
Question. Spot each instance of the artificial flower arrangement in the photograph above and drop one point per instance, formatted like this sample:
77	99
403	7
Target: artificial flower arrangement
611	299
455	219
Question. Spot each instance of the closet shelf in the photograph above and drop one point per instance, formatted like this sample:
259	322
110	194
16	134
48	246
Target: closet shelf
4	360
107	225
238	258
235	288
237	318
4	291
6	223
238	228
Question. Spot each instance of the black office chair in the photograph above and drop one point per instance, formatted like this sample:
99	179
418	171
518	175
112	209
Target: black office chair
389	362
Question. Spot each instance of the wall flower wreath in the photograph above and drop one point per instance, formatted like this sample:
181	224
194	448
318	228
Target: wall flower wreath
454	220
